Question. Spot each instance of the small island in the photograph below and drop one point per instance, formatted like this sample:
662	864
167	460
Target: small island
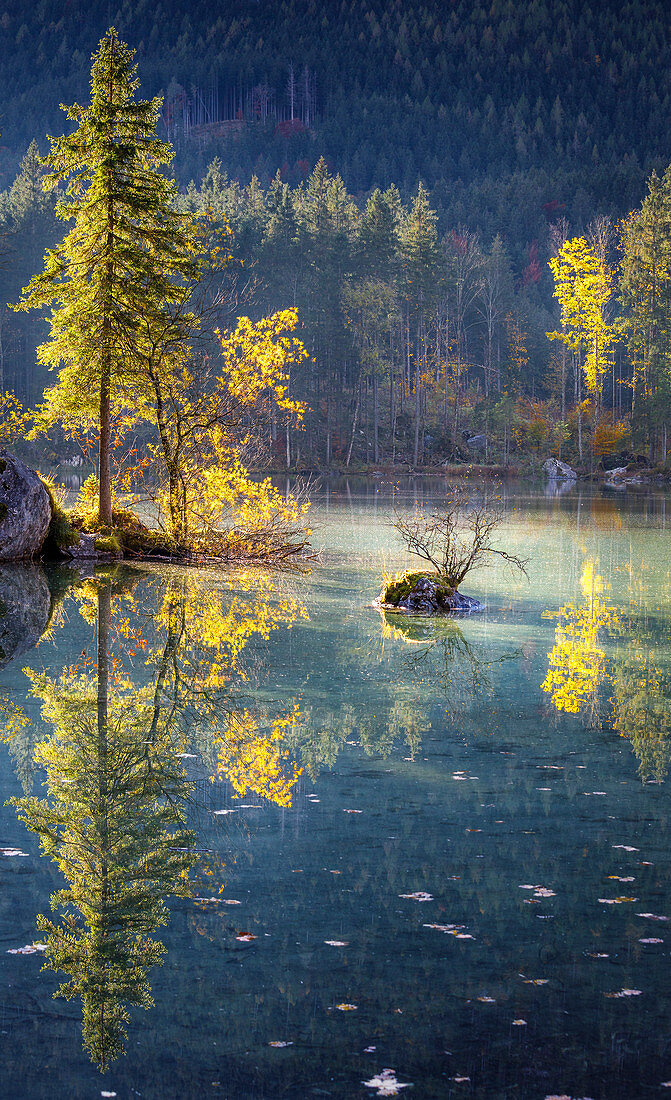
452	542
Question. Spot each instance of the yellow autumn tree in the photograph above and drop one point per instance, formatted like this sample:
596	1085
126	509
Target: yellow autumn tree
584	288
213	418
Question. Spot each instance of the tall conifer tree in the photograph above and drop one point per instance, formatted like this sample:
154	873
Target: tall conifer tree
126	261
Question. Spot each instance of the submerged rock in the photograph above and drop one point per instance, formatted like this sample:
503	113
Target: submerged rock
25	509
426	594
25	608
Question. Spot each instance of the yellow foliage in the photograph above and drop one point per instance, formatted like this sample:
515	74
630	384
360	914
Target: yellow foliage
253	760
13	420
584	287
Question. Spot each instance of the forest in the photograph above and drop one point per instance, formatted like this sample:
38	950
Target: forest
402	179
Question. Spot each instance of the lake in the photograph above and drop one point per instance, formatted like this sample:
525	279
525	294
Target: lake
296	847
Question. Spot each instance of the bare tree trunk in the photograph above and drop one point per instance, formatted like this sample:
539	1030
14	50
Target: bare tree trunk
354	423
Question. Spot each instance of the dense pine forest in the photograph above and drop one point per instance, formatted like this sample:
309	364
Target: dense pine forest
401	173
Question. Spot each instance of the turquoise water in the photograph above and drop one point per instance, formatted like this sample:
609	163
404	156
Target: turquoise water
410	848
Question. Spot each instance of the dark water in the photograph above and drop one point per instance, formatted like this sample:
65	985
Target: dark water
475	814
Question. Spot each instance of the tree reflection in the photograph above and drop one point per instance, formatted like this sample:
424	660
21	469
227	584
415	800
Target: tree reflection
577	660
628	689
439	649
114	819
641	704
114	823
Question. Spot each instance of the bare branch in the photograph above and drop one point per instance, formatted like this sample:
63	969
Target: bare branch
456	539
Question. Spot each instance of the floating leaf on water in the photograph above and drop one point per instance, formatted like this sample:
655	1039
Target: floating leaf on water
337	943
543	892
345	1007
651	939
230	901
543	788
280	1043
626	847
459	1079
369	1050
487	1000
221	813
110	1094
625	993
622	878
386	1083
419	895
536	981
10	852
352	811
519	1023
246	937
615	901
29	949
651	916
597	955
444	927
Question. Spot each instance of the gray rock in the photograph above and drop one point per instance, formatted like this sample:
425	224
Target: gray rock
25	607
477	442
559	470
25	509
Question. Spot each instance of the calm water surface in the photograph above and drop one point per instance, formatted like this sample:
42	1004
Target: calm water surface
427	852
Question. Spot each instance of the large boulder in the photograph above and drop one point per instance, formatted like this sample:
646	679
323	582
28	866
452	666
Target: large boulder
558	470
25	509
426	594
25	607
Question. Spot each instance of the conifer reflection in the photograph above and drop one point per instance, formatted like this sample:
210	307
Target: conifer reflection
114	823
163	684
641	702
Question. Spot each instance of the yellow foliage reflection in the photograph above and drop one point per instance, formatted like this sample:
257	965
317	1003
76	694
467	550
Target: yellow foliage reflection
635	680
162	682
577	659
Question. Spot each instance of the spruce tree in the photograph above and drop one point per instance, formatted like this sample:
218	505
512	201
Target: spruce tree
126	262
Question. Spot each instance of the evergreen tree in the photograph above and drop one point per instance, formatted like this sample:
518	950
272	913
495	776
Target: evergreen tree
122	264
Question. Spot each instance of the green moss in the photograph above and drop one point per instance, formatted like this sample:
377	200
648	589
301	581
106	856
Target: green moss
108	544
61	533
400	587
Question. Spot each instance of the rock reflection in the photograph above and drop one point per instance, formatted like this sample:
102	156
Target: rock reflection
115	816
25	609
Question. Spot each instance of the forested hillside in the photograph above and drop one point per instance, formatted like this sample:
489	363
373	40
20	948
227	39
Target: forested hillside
491	105
494	132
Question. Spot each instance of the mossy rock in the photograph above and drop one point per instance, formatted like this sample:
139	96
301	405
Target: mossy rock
400	587
425	594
